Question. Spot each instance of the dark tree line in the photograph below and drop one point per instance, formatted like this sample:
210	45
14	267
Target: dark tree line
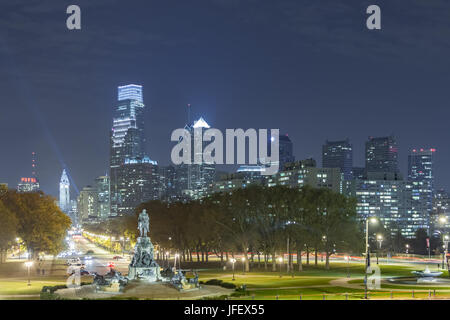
35	218
259	222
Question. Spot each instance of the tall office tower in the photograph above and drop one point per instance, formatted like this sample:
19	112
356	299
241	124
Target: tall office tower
381	155
441	208
127	136
196	179
286	154
87	204
420	175
64	192
138	182
338	154
30	184
102	185
168	183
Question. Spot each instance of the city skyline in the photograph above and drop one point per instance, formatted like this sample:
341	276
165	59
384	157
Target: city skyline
266	70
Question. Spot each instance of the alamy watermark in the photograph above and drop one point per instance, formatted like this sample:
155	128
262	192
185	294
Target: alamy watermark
207	147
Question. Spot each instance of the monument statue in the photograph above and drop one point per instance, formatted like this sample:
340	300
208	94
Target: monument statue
143	223
143	266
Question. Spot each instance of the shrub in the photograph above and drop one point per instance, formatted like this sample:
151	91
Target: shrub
214	282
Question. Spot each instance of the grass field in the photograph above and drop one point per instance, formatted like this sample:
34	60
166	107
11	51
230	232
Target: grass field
313	283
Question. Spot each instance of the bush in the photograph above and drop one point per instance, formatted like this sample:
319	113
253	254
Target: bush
228	285
90	252
214	282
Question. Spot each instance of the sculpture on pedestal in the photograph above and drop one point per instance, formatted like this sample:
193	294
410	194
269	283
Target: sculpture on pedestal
143	266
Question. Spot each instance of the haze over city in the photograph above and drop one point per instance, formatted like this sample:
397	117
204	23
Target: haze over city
297	66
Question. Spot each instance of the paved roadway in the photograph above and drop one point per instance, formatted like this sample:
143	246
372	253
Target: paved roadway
101	258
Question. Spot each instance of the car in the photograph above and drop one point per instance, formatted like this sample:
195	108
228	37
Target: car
87	258
117	257
83	272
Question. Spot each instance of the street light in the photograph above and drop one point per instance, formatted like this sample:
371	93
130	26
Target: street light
372	220
347	258
175	261
380	240
407	247
280	260
18	246
28	264
123	245
243	265
232	260
446	240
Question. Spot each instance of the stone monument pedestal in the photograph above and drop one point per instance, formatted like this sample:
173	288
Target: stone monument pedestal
143	266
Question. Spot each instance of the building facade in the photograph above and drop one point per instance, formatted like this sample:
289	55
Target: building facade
64	192
382	154
421	177
127	138
338	154
27	185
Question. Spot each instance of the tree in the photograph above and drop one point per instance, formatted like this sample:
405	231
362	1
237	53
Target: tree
41	224
8	230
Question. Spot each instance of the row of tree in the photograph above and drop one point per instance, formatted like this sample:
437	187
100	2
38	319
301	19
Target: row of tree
34	218
257	221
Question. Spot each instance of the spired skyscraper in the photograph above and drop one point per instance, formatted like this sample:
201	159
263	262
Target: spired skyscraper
132	173
64	193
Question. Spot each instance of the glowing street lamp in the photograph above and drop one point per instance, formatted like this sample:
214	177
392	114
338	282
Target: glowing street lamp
175	261
407	247
233	261
347	258
371	220
446	240
28	264
379	240
243	265
280	260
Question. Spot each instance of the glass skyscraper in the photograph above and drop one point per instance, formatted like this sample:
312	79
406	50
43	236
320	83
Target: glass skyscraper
382	155
338	154
127	136
420	175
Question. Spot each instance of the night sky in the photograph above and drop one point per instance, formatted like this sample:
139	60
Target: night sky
310	68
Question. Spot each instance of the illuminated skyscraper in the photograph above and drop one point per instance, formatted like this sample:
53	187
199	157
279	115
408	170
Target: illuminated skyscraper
127	136
338	154
196	179
30	184
382	155
420	175
64	193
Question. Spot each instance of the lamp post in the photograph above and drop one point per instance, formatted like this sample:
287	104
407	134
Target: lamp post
167	258
18	246
407	247
280	260
446	240
28	264
232	260
347	258
243	265
372	220
379	240
175	261
123	245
